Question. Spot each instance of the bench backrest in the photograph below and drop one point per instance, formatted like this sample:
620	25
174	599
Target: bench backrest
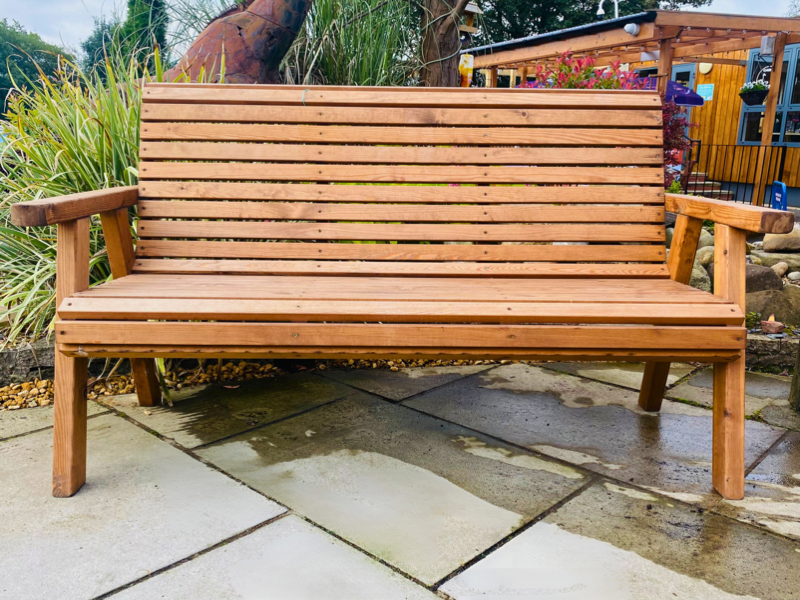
276	179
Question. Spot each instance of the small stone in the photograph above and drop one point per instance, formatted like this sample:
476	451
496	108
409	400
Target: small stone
705	256
700	279
782	242
706	239
668	236
44	402
780	268
772	258
794	276
41	384
755	260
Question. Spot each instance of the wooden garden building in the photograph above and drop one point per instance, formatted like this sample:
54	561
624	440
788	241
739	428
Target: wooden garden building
734	156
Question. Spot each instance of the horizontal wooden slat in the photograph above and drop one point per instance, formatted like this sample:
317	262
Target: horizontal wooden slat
399	173
483	136
274	352
398	335
419	269
392	232
323	153
401	252
411	312
444	97
199	209
506	117
473	289
432	194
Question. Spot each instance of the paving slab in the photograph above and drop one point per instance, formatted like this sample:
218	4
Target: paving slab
146	505
772	491
402	384
780	414
624	374
761	390
595	425
423	495
26	420
218	411
285	560
618	543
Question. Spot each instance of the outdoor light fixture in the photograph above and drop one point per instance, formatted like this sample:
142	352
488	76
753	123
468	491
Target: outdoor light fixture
601	12
632	29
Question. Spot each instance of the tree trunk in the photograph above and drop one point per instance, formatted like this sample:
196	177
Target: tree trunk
441	42
254	36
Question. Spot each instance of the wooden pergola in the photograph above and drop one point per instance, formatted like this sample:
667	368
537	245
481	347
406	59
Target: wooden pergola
666	37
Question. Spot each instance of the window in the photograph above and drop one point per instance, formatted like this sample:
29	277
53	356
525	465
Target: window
786	129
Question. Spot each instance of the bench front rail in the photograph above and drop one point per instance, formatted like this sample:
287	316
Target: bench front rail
282	221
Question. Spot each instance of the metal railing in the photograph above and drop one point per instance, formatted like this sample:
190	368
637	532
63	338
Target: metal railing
732	172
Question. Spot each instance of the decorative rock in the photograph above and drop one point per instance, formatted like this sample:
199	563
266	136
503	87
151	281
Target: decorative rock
780	268
795	276
755	260
783	242
757	278
706	239
773	258
705	256
773	302
668	236
700	278
792	293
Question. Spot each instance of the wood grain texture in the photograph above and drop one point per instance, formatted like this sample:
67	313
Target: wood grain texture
422	194
733	214
599	253
49	211
273	352
398	335
416	269
248	210
475	136
148	228
398	173
141	309
431	155
376	115
70	411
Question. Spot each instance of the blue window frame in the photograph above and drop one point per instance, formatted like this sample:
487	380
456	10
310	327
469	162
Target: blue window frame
786	128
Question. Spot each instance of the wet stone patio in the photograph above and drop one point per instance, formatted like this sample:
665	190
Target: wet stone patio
490	482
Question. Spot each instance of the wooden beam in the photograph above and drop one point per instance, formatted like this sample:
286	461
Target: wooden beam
493	77
774	89
733	214
49	211
714	61
727	46
584	43
664	64
719	21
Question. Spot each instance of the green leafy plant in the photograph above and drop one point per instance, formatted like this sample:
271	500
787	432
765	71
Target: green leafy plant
569	72
675	188
754	86
74	132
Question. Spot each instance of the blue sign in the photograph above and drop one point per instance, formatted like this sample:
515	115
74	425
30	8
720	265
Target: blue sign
779	199
706	90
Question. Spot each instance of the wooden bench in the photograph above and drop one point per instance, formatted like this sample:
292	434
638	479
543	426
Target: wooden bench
527	224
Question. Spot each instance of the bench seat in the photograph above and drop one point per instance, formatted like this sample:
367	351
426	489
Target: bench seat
321	316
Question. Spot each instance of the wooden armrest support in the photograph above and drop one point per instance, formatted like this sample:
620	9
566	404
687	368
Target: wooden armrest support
49	211
740	216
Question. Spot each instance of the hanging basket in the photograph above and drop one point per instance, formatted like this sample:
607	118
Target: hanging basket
754	98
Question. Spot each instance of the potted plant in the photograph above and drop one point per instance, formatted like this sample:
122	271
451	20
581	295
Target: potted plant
754	93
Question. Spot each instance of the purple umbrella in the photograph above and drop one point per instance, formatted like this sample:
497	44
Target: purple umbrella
680	95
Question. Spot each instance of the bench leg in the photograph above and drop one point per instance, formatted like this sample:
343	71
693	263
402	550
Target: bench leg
728	451
654	382
145	378
69	433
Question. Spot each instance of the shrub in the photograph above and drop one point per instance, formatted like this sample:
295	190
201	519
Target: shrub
581	73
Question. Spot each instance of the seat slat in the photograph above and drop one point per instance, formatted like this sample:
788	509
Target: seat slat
354	134
402	289
369	311
402	252
388	96
429	194
419	269
398	173
506	117
398	335
352	212
319	153
391	232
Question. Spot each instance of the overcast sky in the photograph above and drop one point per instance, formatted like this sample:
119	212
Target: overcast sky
70	21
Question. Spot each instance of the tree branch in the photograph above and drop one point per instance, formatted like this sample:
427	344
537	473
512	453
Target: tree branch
453	18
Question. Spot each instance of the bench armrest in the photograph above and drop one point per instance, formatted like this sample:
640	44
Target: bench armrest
49	211
741	216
